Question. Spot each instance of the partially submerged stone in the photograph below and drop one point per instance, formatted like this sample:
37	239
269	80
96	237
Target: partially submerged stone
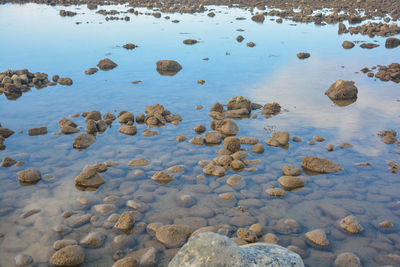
317	237
291	182
106	64
351	225
68	256
83	141
342	90
168	67
89	177
173	236
320	165
29	176
162	177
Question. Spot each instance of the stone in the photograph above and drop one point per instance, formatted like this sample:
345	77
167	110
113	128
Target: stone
213	137
138	162
351	225
126	117
176	169
317	237
227	127
91	71
291	182
368	45
239	38
91	127
190	41
125	222
29	213
388	136
251	44
287	226
246	140
181	138
278	139
89	177
246	235
7	162
239	102
59	244
66	122
392	42
173	236
68	256
29	176
271	109
270	238
65	81
257	229
259	17
320	165
347	45
126	262
93	239
237	165
275	192
83	141
104	208
162	177
129	46
128	129
232	143
303	55
330	147
68	130
106	64
4	132
199	128
211	249
217	107
37	131
347	259
290	170
77	220
168	67
257	149
23	260
198	141
234	180
342	90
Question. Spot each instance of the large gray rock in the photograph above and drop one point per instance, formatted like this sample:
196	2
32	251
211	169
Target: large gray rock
211	249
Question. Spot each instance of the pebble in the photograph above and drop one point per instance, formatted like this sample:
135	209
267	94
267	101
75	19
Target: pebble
317	237
351	225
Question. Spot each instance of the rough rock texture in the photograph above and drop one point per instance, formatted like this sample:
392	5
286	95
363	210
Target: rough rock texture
259	17
68	256
174	235
126	262
211	249
125	222
93	239
89	178
347	259
162	177
29	176
318	237
342	90
320	165
83	141
351	225
106	64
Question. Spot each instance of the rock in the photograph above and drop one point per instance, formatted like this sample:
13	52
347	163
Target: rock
173	236
347	45
342	28
93	239
227	127
320	165
68	256
181	138
251	44
7	162
232	143
347	259
237	165
388	136
129	46
246	140
239	102
93	115
278	139
317	237
91	127
89	177
386	224
351	225
83	141
77	220
275	192
287	226
168	67
234	180
303	55
213	137
213	170
162	177
4	132
258	149
330	147
59	244
297	139
239	38
190	42
138	162
246	235
66	122
126	262
392	42
291	182
199	128
23	260
65	81
37	131
125	222
198	141
126	117
290	170
345	145
368	45
106	64
259	17
149	258
342	90
29	176
270	238
29	213
211	249
68	130
91	71
217	107
128	129
319	138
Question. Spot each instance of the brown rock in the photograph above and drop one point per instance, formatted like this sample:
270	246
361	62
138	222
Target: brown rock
174	235
106	64
320	165
342	90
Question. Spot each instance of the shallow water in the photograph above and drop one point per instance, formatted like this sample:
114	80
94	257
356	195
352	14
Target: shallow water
37	38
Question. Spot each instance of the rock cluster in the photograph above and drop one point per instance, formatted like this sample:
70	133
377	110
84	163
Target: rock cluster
385	73
372	29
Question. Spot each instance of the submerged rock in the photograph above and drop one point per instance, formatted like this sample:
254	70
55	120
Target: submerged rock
125	222
351	225
89	177
29	176
347	259
91	71
7	162
23	260
68	256
162	177
291	182
93	239
211	249
342	90
318	237
320	165
388	136
168	67
173	236
106	64
37	131
83	141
